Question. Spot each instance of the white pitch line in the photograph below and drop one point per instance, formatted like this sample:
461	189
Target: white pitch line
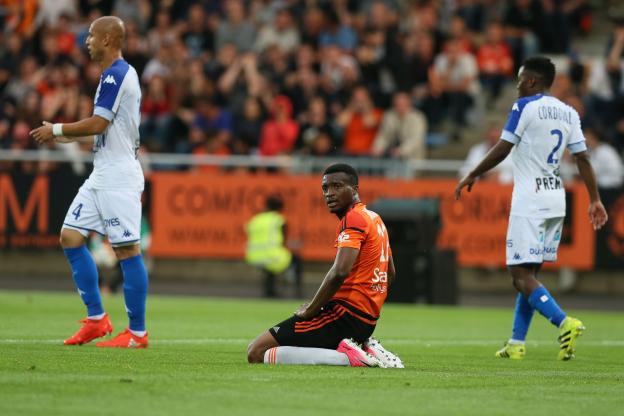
388	341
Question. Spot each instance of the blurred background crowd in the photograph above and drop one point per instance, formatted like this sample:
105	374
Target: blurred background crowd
377	78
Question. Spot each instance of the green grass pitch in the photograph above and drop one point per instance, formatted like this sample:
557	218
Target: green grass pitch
196	364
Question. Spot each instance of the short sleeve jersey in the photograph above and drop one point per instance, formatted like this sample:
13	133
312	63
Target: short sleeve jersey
366	286
541	127
118	100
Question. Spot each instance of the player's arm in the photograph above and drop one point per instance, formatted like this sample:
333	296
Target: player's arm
597	212
496	155
345	259
391	271
90	126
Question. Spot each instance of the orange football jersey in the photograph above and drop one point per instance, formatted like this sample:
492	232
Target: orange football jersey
366	286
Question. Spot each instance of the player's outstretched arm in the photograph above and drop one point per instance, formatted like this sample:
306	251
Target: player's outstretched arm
496	155
87	127
345	259
597	212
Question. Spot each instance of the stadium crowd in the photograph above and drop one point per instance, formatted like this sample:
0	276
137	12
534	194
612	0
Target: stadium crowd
313	77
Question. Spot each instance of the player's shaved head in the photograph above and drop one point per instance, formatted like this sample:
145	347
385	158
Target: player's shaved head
111	26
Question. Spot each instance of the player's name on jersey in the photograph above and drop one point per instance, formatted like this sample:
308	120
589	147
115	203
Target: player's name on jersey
548	112
547	183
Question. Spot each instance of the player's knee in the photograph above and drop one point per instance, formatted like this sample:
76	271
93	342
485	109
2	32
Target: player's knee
71	238
255	354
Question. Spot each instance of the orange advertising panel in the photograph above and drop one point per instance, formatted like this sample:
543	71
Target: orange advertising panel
200	215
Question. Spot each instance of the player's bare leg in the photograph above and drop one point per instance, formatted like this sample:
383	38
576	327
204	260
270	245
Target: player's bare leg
257	348
524	278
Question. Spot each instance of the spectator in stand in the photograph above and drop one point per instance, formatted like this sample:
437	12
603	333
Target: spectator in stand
214	123
495	62
281	33
522	21
403	131
454	84
606	161
410	65
162	33
460	34
240	79
236	28
318	136
134	53
279	134
156	117
313	23
248	127
336	33
360	121
197	36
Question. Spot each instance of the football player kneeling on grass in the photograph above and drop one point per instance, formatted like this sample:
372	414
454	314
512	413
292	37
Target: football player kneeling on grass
335	328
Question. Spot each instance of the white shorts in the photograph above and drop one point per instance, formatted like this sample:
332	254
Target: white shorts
533	240
116	214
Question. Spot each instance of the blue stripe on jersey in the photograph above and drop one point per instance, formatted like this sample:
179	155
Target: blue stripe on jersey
516	111
110	84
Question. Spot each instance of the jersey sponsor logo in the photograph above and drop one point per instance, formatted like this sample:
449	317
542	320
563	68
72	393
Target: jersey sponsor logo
109	80
111	222
379	281
343	237
550	183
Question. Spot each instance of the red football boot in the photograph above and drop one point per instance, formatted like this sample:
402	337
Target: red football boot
91	329
126	339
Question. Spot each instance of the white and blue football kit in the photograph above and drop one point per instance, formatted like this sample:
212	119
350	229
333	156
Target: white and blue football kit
541	127
109	202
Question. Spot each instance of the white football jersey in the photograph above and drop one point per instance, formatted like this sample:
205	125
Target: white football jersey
118	100
541	127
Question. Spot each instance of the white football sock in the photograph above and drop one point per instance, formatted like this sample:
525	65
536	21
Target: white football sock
96	317
139	334
305	356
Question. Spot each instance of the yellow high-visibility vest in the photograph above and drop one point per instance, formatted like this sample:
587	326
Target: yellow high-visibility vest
265	242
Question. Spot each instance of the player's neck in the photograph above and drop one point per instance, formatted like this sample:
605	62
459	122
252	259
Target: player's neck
341	215
110	58
534	92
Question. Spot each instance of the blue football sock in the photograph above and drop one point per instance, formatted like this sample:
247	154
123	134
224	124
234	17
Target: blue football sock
135	290
85	275
543	301
522	318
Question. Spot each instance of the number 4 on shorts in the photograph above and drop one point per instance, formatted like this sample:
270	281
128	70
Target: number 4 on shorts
76	211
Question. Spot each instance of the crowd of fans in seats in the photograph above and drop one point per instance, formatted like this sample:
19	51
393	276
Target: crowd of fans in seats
314	77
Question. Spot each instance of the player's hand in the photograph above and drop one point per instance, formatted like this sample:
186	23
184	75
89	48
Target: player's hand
468	181
597	215
42	134
302	311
